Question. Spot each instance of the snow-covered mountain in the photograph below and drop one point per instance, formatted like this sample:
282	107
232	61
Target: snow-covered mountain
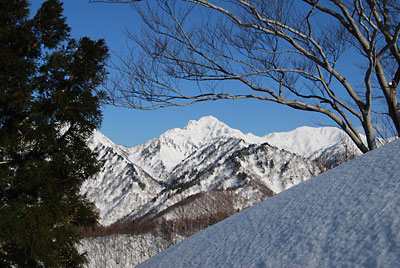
254	171
161	155
145	180
345	217
120	184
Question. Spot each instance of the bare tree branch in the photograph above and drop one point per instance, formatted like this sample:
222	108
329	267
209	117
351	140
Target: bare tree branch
288	52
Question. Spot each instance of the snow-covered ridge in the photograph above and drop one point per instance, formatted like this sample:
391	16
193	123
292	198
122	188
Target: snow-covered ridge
305	141
161	155
132	178
119	184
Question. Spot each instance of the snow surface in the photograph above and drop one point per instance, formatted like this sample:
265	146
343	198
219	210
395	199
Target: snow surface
345	217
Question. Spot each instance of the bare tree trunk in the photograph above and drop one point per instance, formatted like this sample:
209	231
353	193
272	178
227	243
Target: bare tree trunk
394	107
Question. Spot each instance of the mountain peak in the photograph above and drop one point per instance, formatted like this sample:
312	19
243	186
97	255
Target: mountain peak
205	119
205	123
160	155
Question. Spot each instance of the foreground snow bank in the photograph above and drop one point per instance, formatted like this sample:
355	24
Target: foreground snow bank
346	217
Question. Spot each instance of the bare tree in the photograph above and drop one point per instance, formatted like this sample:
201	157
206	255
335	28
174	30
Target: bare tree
288	52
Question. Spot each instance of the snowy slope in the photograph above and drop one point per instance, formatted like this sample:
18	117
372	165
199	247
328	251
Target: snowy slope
121	186
346	217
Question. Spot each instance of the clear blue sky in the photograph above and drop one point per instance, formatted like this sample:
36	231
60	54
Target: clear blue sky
132	127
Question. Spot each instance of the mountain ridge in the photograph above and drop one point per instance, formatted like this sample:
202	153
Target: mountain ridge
206	154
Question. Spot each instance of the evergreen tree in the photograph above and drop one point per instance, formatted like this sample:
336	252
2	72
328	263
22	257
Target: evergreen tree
48	109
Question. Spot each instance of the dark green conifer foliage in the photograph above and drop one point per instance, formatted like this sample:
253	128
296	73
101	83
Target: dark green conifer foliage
48	109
